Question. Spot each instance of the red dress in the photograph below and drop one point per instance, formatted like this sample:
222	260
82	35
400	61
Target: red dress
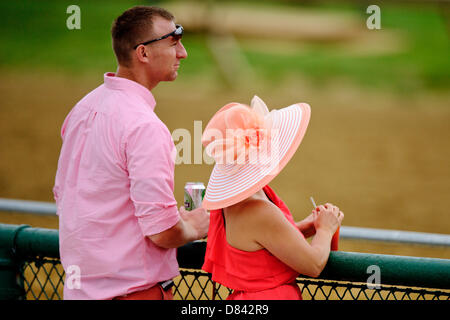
255	275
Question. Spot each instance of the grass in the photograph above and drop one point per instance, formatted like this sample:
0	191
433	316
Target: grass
34	36
424	63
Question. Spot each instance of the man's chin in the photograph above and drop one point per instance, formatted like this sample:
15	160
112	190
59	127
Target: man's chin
172	77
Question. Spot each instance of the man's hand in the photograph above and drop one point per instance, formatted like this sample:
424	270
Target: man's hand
198	219
193	225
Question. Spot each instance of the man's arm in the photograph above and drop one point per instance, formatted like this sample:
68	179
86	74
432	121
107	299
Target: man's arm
193	225
151	173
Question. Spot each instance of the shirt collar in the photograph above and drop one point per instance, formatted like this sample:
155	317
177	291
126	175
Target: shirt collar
119	83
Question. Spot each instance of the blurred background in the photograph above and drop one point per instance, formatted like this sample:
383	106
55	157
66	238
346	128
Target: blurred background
378	142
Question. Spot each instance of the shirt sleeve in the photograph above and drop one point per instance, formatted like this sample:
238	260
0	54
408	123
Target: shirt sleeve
150	164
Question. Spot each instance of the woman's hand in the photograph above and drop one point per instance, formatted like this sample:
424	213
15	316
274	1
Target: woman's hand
306	226
328	217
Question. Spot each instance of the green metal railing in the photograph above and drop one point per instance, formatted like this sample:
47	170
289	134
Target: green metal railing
30	269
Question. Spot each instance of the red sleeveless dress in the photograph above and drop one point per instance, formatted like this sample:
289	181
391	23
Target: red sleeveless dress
255	275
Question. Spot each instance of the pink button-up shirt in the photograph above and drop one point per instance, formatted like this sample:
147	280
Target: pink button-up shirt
113	187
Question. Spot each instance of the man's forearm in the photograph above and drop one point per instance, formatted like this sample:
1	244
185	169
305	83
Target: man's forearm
176	236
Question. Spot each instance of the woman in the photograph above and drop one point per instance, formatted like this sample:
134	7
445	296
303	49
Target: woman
254	245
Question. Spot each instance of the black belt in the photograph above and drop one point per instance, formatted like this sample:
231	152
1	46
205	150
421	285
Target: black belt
166	285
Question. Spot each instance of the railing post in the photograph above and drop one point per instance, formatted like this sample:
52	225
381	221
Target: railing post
11	283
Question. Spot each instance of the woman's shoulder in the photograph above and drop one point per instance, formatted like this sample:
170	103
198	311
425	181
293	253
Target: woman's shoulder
246	221
255	209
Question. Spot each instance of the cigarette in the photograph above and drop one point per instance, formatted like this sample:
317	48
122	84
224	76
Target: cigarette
312	200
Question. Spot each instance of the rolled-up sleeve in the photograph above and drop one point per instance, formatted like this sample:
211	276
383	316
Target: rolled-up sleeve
150	164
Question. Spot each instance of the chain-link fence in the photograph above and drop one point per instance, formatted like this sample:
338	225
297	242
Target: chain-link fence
198	285
38	274
43	279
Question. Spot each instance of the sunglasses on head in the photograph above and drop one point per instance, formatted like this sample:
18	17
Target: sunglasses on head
176	34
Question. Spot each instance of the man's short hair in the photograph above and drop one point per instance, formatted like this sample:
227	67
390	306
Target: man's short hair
131	28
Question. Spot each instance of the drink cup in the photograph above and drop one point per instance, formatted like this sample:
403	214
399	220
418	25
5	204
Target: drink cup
335	240
193	195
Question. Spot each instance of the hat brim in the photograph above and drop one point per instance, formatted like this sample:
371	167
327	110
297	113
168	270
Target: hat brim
230	184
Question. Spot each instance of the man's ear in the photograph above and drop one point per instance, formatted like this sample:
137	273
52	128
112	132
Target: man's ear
141	54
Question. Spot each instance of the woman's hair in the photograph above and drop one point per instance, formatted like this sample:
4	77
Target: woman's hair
131	28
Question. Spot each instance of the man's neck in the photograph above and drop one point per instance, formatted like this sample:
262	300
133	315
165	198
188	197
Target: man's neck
130	74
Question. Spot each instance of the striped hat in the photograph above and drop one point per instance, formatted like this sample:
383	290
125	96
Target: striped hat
250	146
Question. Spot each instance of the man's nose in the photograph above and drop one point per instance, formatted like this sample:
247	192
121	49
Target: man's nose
181	51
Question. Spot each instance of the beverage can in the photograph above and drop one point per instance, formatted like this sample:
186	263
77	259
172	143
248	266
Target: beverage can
193	195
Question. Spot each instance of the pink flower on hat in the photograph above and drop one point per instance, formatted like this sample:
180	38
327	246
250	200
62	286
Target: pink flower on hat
238	133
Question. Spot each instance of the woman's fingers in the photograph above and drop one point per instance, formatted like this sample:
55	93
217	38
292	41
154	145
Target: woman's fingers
328	207
341	216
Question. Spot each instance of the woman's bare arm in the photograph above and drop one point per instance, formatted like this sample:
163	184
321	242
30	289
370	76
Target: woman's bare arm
275	233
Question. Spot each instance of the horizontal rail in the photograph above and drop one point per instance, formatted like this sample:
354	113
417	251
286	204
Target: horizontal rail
349	266
346	232
28	206
384	235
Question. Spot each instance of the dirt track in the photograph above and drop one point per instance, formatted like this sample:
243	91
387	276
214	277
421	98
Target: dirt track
383	158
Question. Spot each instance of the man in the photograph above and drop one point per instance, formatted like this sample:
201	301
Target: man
119	222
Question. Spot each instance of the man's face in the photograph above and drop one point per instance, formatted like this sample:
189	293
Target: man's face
164	55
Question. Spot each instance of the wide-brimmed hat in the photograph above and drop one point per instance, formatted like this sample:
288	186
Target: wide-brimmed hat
250	146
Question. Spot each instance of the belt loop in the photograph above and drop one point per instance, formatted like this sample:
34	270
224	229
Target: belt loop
166	285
